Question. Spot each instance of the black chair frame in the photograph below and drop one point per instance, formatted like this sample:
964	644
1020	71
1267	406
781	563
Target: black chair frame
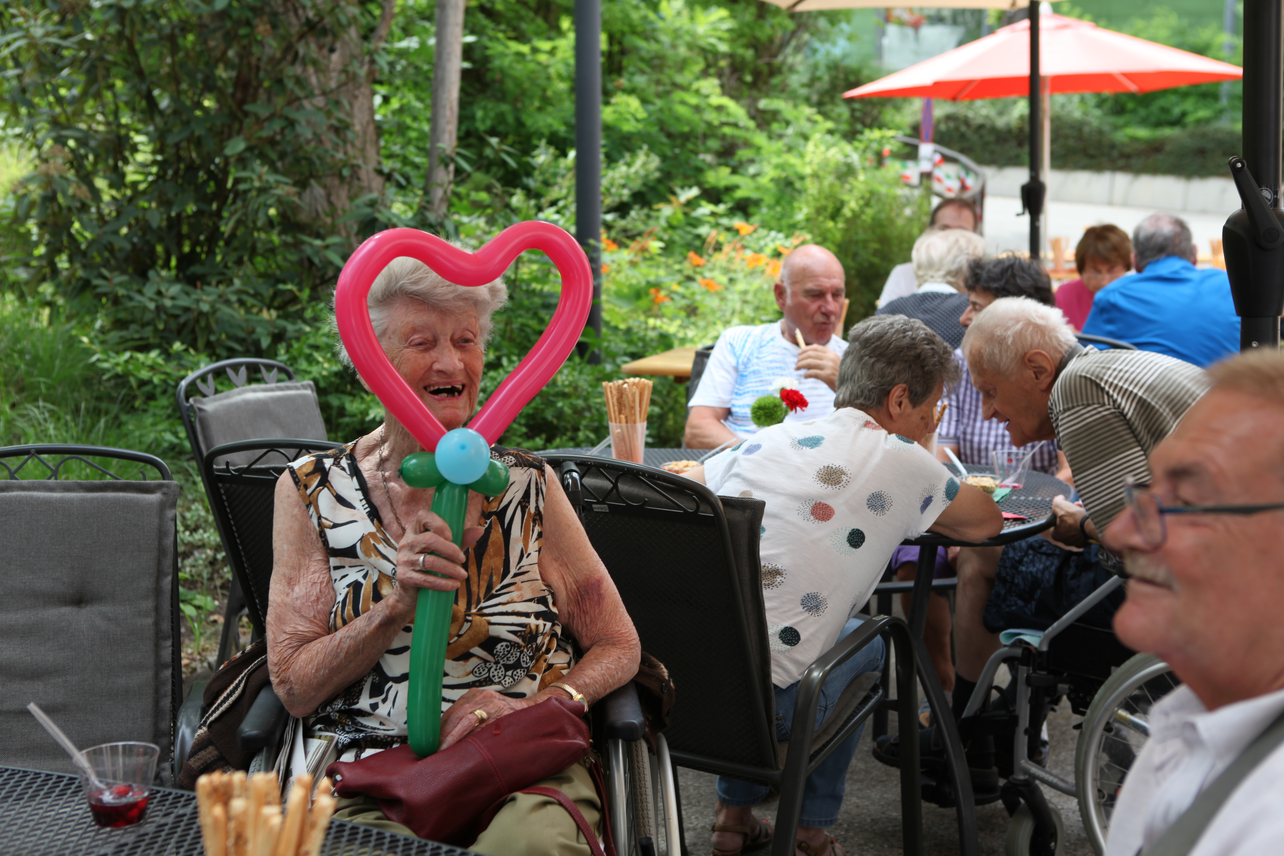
246	534
623	488
1108	342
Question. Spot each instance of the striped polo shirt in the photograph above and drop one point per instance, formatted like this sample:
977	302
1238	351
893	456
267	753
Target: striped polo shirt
1110	409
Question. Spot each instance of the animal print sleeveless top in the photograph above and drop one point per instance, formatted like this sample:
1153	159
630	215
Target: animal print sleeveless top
504	631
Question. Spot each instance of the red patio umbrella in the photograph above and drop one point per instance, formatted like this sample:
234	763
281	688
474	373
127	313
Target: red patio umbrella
1075	56
1078	56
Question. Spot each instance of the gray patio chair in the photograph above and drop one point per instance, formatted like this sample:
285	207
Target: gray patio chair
89	625
278	407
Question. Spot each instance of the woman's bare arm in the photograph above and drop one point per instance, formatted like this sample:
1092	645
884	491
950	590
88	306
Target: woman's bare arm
309	664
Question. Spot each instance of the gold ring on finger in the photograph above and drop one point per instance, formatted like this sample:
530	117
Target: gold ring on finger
481	716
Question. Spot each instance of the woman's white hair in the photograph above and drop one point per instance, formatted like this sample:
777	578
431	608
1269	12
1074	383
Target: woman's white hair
407	278
943	255
1011	327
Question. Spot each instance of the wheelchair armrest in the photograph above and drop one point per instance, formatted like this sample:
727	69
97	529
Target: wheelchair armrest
186	723
624	719
264	723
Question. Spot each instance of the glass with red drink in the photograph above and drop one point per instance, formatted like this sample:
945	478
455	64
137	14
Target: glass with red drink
124	773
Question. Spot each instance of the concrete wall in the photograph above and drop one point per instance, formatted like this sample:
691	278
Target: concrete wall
1156	192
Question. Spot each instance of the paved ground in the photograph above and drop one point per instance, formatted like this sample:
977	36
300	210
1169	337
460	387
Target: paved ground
1007	229
870	821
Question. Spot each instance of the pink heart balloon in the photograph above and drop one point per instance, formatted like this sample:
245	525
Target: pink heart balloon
352	314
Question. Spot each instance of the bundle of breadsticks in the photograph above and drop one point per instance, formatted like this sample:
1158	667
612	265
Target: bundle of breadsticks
627	403
242	816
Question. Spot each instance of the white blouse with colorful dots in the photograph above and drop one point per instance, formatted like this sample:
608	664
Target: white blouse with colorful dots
841	494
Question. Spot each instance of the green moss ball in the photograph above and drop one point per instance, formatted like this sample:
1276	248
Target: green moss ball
768	410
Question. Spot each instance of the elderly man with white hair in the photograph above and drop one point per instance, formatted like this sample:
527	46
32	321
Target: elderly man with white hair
941	260
1106	409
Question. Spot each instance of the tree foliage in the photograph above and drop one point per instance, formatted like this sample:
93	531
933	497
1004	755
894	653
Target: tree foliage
187	160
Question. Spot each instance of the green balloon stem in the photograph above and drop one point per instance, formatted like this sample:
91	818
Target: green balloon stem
432	618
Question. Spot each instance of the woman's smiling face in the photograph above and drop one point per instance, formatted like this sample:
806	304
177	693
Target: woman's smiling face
439	355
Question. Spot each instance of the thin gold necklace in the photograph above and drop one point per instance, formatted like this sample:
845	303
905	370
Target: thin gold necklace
384	478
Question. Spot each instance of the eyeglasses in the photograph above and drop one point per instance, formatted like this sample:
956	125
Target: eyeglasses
1149	512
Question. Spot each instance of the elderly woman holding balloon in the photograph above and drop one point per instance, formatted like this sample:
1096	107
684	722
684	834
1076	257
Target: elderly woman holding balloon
354	545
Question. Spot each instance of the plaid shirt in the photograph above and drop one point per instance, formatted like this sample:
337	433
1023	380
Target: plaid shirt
975	436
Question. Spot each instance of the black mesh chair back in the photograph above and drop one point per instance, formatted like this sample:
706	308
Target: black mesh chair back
667	544
697	369
1104	342
89	624
242	504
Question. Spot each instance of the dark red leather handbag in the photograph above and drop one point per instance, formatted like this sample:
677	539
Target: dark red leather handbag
447	797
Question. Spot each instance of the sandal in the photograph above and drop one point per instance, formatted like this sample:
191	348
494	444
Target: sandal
832	847
757	836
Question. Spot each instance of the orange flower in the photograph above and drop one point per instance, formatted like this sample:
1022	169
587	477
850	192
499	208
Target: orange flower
695	260
743	228
609	245
754	260
710	284
657	297
606	268
784	251
773	268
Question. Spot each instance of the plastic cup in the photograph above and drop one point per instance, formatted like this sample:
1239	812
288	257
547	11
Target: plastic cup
1011	465
628	441
125	771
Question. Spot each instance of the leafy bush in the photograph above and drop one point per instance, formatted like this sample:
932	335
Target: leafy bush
184	161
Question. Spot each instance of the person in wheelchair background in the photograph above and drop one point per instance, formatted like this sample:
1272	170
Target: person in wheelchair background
1201	541
1107	410
841	492
353	545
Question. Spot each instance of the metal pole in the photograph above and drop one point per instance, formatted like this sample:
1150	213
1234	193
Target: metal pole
588	148
1263	122
1032	193
1263	89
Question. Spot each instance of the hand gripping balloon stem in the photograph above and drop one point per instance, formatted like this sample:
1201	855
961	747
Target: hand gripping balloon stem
454	473
462	463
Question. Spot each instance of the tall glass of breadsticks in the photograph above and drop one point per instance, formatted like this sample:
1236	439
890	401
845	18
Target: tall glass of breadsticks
627	403
243	816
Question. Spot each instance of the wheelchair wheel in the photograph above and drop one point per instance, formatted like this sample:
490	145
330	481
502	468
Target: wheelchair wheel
1115	728
642	803
1021	829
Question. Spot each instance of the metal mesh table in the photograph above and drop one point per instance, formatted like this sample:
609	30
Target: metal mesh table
650	457
45	814
1033	500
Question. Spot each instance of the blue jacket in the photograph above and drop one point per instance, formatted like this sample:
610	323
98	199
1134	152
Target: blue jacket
1171	308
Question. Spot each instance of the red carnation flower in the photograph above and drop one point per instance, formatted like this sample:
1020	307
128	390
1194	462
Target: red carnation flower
793	399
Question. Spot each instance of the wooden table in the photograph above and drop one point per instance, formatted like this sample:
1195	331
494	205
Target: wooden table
675	363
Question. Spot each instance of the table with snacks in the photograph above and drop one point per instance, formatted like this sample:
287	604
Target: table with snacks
45	814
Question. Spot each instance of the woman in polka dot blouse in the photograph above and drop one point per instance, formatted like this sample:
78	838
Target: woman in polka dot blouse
841	493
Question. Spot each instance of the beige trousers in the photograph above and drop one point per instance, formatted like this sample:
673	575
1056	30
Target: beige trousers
527	825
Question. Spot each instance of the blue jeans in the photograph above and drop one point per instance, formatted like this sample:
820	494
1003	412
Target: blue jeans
823	792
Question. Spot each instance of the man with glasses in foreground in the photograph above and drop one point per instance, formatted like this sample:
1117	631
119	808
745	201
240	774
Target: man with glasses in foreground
1201	544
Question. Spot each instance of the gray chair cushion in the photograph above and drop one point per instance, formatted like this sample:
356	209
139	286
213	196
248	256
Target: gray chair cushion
86	623
258	412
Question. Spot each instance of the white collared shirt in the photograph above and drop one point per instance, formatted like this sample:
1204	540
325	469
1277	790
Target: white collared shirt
1188	748
940	287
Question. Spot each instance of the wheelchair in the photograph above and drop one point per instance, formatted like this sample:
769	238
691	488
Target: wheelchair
1112	688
